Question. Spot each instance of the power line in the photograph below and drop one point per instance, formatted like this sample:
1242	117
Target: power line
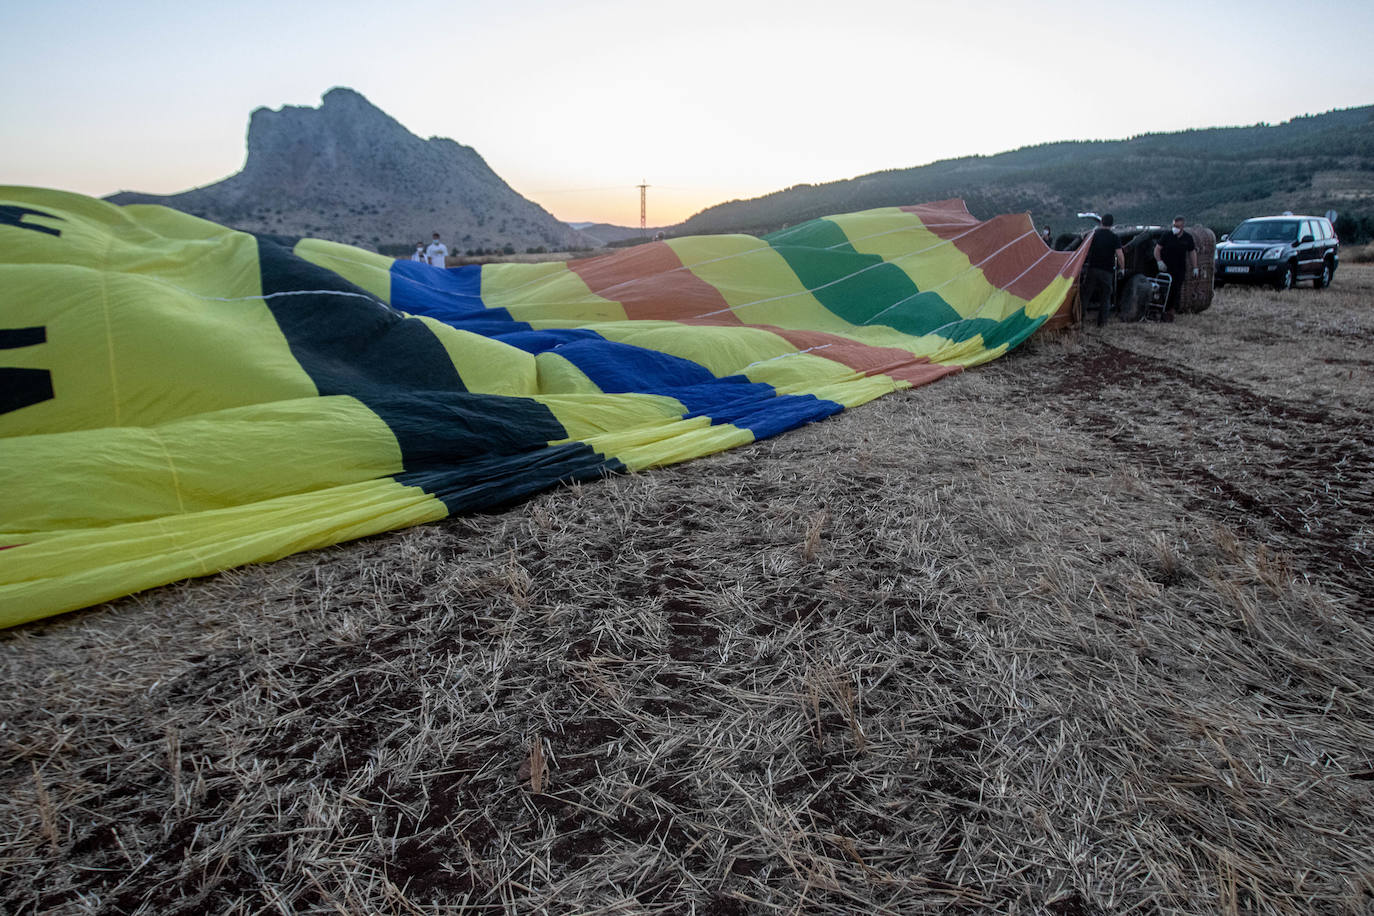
614	187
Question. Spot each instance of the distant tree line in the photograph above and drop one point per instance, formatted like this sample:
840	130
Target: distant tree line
1216	177
1355	230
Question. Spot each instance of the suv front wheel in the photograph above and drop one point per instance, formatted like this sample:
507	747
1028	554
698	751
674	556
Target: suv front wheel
1286	279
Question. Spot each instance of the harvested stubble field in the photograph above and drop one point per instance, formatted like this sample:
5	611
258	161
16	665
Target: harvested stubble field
1087	630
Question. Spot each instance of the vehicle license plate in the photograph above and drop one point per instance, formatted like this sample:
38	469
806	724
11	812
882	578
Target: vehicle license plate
1238	269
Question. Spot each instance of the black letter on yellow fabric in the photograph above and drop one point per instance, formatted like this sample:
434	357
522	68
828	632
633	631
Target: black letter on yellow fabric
23	387
11	216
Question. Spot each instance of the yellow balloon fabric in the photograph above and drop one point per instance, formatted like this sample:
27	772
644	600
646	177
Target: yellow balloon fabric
178	398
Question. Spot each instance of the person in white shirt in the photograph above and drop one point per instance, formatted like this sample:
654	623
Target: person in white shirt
419	254
436	252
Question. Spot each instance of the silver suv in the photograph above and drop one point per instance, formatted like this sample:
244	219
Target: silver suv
1280	251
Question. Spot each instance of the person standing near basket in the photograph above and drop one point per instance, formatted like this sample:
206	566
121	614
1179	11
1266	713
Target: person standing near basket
1105	258
1176	255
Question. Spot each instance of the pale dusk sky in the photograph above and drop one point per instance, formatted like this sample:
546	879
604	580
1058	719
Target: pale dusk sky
576	104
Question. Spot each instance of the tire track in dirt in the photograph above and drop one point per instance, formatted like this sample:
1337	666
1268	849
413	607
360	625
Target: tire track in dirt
1297	477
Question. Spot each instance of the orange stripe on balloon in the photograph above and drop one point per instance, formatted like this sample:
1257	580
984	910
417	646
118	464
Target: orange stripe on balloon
1023	268
651	282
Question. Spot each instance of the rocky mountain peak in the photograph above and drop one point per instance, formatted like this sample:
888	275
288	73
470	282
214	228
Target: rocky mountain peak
350	172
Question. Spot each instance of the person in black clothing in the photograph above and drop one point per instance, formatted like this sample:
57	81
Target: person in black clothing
1176	255
1099	273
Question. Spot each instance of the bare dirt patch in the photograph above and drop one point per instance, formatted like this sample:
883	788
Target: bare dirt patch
1082	631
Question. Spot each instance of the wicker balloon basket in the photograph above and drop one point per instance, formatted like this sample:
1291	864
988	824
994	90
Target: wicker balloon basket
1196	295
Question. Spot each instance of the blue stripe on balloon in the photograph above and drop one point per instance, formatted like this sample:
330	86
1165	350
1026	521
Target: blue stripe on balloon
453	296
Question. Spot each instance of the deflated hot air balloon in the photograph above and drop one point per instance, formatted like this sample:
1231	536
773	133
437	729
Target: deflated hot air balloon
178	398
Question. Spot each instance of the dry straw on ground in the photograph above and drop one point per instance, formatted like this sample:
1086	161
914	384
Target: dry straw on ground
1083	631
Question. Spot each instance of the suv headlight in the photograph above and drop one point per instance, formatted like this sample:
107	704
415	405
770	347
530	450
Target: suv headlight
1273	254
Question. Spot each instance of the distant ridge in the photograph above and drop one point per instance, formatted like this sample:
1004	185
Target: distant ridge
608	234
349	172
1216	177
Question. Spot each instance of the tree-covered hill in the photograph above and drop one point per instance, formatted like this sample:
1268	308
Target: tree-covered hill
1216	177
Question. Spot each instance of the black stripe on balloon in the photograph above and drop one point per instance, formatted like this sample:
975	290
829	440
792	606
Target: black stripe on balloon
469	450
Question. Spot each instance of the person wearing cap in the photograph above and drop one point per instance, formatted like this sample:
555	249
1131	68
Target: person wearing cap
1099	270
437	252
1176	255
